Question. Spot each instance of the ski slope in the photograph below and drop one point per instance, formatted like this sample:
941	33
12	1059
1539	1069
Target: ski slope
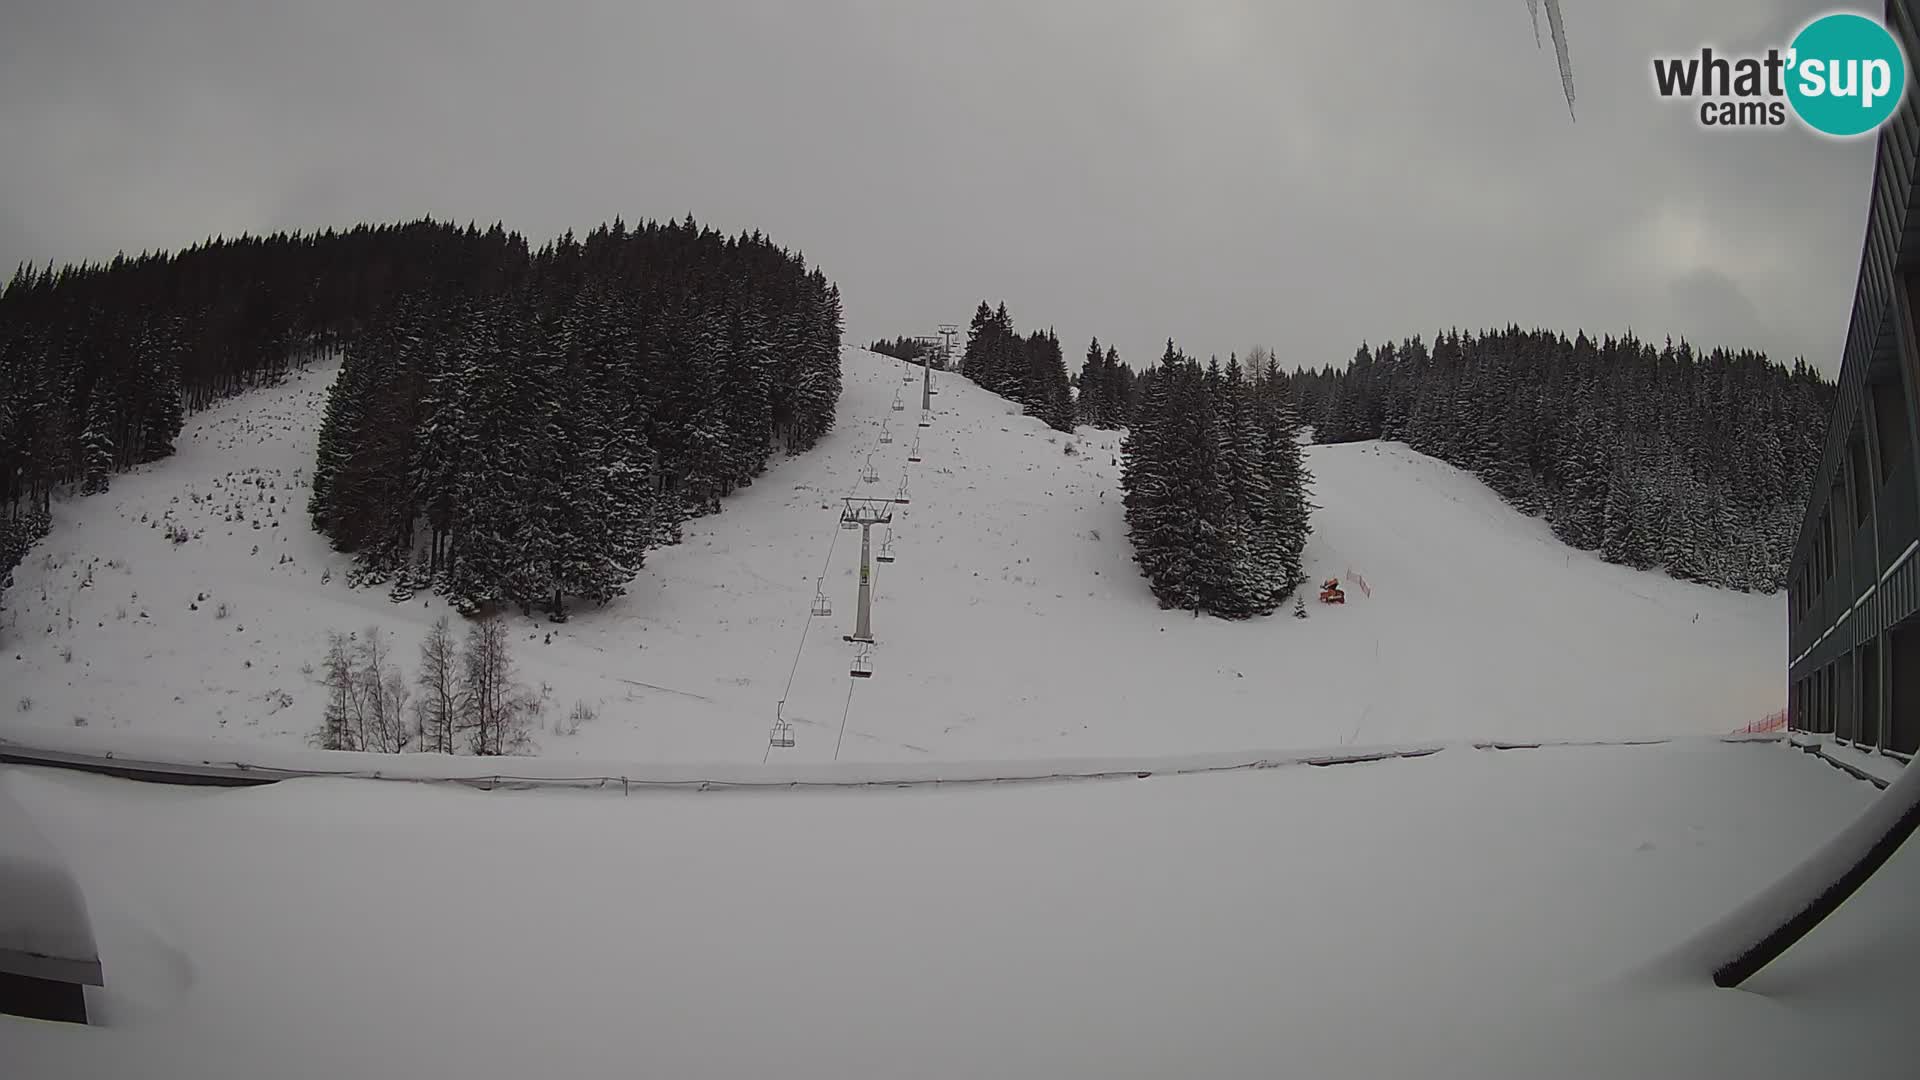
1474	914
1012	625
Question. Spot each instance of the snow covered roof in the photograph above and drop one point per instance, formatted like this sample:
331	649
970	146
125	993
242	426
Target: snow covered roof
44	929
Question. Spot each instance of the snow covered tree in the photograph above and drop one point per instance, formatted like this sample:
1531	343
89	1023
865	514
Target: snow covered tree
1723	444
96	444
1282	464
1627	535
1215	488
1090	398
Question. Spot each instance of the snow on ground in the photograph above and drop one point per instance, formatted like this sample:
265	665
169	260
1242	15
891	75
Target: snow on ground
1013	625
1468	914
43	920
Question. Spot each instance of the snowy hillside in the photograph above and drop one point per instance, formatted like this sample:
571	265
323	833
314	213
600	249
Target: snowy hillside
1012	624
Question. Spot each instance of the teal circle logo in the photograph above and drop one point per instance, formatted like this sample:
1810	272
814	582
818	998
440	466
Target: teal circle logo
1846	74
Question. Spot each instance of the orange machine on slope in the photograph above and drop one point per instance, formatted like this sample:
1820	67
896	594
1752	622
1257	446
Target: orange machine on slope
1330	592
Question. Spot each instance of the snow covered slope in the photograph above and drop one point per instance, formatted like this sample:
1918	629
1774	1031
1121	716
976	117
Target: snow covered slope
1465	915
1013	623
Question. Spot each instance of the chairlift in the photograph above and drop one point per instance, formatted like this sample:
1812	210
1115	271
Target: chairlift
862	665
913	455
886	435
870	474
821	605
886	548
782	733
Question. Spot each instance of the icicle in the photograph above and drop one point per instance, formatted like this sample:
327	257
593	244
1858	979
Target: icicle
1559	30
1556	25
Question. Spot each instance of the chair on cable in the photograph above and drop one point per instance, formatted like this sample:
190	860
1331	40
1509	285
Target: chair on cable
782	734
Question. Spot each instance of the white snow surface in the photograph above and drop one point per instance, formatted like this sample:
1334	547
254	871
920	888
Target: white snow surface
1013	625
42	912
1741	929
1483	914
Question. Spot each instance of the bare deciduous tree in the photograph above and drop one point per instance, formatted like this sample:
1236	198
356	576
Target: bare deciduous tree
366	696
441	701
339	729
500	713
1256	363
383	691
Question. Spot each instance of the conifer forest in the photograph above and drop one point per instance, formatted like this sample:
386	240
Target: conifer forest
1657	458
510	426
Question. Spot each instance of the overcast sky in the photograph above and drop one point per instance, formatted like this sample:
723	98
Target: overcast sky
1224	172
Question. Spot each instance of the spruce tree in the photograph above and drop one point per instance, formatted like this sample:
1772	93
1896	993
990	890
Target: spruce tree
1090	403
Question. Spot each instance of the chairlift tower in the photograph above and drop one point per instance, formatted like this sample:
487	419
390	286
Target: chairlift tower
864	514
948	332
927	344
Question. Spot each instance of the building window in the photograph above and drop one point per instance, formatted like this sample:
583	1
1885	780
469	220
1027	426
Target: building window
1826	699
1862	479
1868	731
1827	534
1903	671
1890	426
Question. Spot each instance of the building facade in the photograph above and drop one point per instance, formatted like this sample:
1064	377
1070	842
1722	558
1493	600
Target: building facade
1854	584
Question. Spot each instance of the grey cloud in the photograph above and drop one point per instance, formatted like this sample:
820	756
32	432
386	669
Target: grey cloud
1224	172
